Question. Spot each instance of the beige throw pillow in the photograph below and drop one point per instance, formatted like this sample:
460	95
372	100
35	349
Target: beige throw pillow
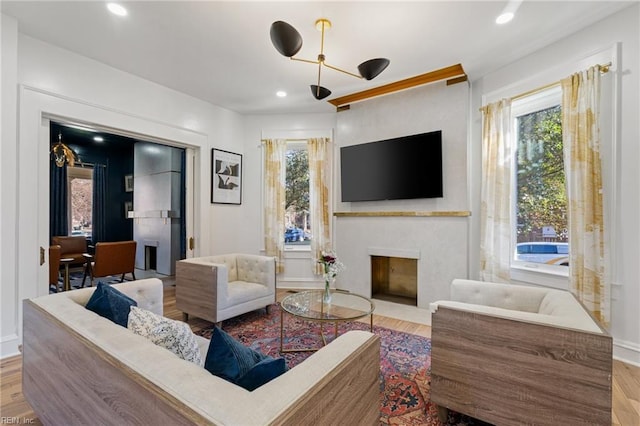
170	334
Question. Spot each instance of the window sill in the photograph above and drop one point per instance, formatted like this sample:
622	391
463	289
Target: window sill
297	248
531	273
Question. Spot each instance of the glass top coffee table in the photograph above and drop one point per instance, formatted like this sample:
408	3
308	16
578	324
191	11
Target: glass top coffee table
308	305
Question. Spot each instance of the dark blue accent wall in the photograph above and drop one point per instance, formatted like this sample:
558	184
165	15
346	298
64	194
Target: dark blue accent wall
116	153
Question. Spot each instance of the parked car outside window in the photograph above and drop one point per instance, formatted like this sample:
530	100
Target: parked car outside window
293	234
550	253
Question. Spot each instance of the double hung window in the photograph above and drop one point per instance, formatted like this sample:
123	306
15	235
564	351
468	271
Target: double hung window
80	200
540	237
297	211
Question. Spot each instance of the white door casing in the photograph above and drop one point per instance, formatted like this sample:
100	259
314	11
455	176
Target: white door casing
36	109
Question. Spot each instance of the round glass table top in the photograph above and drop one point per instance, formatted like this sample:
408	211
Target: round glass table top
344	306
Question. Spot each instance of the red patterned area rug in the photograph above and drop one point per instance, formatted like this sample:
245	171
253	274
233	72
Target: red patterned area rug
405	362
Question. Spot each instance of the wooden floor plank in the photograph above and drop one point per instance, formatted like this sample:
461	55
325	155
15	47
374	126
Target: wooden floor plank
626	378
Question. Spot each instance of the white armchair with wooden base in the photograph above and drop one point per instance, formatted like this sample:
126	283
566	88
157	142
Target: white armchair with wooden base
216	288
513	355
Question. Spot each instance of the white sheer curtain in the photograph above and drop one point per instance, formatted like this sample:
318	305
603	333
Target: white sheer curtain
319	183
274	199
495	209
588	251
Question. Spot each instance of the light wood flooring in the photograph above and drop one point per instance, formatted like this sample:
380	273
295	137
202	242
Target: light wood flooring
14	409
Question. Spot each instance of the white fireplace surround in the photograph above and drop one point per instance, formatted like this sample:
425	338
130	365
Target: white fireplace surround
390	252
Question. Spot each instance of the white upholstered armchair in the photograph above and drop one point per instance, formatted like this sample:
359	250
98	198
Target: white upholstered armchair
511	354
216	288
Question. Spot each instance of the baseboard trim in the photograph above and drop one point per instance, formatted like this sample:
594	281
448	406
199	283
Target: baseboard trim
299	283
9	346
627	352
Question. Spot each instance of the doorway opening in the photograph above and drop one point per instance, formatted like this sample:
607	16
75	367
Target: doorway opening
116	205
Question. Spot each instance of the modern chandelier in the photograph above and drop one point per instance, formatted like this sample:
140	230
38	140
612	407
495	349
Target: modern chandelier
287	41
62	153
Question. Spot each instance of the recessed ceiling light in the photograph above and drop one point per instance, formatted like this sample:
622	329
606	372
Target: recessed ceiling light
504	18
281	93
98	138
508	12
117	9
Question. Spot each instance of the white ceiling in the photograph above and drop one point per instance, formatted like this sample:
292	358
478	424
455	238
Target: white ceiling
221	51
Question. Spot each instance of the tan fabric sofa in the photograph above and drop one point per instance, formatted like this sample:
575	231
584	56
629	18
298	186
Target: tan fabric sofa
216	288
512	354
80	368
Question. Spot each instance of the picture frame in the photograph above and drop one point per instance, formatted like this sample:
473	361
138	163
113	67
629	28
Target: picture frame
128	183
226	177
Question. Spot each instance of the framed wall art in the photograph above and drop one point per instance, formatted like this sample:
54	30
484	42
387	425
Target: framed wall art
226	177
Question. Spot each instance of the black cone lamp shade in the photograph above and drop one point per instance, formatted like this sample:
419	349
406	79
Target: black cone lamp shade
372	68
286	39
319	92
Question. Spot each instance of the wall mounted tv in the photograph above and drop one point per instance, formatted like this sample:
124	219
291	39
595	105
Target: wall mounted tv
394	169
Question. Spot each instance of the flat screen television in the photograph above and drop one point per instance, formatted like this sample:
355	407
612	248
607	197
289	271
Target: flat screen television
407	167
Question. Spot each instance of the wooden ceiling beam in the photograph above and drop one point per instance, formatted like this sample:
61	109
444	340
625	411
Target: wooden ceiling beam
430	77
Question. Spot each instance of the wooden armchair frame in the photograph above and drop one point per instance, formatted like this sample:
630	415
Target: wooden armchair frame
507	372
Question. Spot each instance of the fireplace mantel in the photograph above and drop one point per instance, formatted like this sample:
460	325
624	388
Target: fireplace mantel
454	213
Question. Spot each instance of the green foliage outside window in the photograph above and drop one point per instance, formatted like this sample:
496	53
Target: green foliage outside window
297	186
541	197
297	192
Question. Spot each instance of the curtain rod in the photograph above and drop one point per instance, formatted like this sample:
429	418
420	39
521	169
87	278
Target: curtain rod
604	68
262	141
287	140
293	140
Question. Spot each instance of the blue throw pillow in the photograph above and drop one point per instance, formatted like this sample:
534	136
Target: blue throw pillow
263	372
110	303
231	360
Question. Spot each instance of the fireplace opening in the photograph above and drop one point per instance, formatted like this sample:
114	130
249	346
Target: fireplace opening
150	257
394	279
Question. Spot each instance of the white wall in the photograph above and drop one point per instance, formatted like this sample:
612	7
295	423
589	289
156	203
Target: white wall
58	82
622	28
8	188
440	243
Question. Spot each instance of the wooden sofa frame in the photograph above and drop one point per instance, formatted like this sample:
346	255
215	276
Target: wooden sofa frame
513	372
69	380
